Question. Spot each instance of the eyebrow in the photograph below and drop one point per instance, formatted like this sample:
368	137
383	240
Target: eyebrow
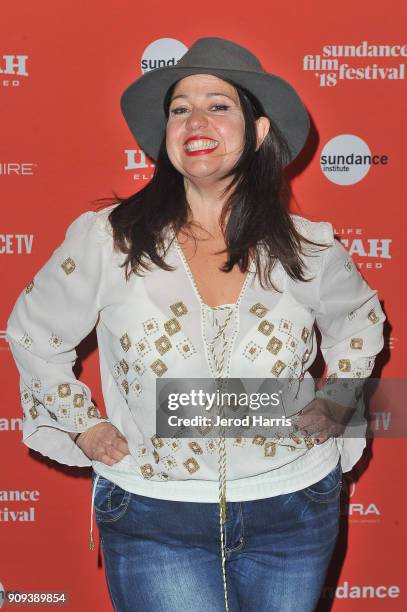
208	95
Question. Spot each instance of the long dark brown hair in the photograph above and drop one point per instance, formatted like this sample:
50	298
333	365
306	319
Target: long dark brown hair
258	205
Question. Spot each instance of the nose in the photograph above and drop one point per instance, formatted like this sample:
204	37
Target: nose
196	119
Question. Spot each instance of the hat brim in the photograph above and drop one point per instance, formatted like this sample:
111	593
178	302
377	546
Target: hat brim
142	104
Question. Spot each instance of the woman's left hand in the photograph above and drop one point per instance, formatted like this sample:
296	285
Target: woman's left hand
322	419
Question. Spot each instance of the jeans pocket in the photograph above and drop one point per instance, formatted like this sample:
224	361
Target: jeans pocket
111	501
327	489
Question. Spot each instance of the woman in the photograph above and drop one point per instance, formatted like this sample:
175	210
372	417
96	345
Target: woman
203	274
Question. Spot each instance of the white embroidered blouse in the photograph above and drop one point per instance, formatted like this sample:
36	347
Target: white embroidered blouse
158	326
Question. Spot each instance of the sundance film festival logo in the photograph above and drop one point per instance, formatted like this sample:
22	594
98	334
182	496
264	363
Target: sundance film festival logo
139	164
159	54
346	159
347	590
4	346
348	62
392	342
16	244
11	424
11	510
359	512
162	52
17	168
12	66
372	253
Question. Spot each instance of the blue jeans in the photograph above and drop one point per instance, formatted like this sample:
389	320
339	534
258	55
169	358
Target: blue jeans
164	556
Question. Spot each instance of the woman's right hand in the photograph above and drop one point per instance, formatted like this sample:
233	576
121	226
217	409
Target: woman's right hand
103	442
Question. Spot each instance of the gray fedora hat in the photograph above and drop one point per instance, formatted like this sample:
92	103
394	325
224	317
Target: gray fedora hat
142	102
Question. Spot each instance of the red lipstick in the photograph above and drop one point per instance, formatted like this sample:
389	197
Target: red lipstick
203	151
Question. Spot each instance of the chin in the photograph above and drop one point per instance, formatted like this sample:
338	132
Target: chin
200	174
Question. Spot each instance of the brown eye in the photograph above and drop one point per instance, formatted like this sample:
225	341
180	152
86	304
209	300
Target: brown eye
178	111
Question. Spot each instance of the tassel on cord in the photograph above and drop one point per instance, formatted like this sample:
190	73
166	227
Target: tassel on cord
91	542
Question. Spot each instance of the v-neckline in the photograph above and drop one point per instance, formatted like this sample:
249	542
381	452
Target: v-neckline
195	286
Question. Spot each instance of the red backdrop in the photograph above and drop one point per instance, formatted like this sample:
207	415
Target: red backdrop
63	67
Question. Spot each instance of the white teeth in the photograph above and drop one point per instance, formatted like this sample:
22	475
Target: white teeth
196	145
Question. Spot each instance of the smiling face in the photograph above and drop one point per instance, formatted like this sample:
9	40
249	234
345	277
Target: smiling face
205	128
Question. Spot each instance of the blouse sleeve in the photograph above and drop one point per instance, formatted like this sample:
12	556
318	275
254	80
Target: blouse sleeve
53	313
350	320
